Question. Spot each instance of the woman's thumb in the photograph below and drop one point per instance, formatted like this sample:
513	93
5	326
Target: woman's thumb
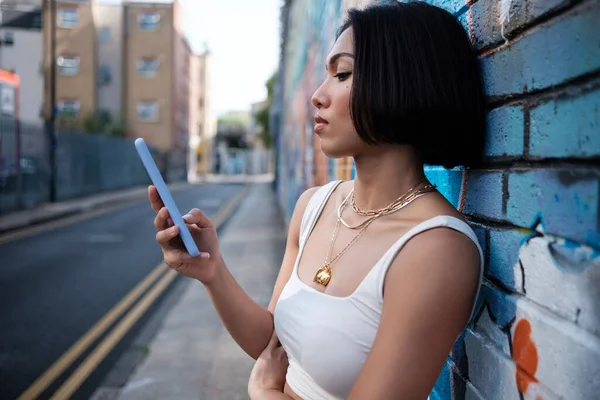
195	216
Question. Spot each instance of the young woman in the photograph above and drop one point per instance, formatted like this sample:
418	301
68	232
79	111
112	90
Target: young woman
380	274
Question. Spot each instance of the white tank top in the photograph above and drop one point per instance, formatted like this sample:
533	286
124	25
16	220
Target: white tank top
327	339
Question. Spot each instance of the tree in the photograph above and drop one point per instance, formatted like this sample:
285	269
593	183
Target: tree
262	116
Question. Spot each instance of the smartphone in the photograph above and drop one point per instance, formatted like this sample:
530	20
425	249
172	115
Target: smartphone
165	195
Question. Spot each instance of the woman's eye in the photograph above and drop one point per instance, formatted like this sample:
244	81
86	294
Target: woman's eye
342	76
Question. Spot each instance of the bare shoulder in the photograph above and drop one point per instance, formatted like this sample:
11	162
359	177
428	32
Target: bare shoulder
439	249
442	259
305	197
298	213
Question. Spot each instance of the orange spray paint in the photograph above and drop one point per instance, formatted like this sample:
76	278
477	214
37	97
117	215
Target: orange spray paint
525	355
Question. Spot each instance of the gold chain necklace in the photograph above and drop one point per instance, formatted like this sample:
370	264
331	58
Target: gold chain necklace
324	274
410	192
395	206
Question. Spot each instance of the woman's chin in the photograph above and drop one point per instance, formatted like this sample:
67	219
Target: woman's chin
334	150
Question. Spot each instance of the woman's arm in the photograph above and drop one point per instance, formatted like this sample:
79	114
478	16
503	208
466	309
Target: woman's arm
250	324
428	296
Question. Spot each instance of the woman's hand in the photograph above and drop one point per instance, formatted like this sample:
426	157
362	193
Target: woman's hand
269	370
202	267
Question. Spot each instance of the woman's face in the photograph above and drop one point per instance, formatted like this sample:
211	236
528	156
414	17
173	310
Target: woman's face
333	124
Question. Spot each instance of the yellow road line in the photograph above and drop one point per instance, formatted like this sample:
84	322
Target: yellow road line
90	336
91	362
225	211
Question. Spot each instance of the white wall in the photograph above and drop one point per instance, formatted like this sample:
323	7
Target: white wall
25	58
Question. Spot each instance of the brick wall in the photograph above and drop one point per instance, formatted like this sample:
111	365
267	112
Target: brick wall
535	206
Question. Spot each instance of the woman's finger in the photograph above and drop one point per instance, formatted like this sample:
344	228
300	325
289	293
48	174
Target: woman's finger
155	201
161	221
164	236
194	229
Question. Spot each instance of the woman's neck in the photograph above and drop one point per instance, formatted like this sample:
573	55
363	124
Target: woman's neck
385	175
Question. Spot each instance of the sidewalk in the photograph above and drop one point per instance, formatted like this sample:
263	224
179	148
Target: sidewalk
53	211
192	356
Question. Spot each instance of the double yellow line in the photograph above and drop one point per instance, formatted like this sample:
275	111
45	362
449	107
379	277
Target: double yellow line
160	277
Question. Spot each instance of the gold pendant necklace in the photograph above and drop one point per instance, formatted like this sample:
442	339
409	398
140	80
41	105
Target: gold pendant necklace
323	274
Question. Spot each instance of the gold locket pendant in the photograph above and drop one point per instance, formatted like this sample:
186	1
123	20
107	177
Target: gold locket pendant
323	275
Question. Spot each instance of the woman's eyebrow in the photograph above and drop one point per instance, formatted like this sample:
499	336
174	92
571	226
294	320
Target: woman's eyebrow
337	56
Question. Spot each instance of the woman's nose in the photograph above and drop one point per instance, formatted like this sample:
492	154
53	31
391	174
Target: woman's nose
319	98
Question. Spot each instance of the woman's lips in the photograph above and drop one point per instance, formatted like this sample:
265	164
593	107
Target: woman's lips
320	124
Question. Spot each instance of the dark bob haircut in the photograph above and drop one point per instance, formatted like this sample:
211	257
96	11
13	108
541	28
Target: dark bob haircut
417	81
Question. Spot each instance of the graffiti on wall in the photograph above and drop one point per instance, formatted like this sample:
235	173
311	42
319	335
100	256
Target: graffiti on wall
312	25
538	343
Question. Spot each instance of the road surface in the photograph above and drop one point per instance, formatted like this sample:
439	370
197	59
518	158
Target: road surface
57	284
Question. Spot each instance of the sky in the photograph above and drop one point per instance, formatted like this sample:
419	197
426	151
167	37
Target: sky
243	37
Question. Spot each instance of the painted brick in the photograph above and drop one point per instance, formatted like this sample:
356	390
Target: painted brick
565	285
487	325
472	393
565	199
484	194
548	56
504	256
450	385
490	370
464	20
561	349
568	127
505	132
443	386
488	22
480	232
568	357
452	6
492	373
448	182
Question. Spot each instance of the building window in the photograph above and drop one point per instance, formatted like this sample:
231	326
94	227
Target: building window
68	108
149	20
68	17
8	40
148	111
104	75
147	67
68	65
104	34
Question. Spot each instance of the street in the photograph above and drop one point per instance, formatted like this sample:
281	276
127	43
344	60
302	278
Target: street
55	285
